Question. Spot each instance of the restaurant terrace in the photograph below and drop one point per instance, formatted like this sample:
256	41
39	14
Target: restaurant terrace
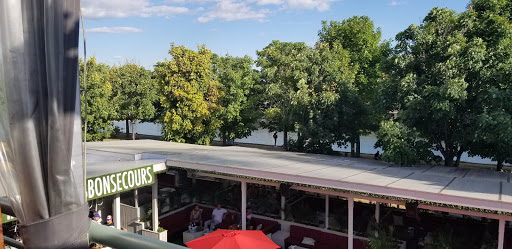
475	192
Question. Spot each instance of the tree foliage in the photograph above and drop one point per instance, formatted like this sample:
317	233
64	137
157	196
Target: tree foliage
241	89
358	36
190	95
284	67
444	76
134	93
100	110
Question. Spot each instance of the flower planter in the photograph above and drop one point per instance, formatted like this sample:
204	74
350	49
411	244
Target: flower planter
155	235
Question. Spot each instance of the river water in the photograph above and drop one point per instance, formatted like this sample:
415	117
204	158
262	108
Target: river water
262	136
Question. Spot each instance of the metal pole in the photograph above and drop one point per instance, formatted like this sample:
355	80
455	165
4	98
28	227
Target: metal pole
326	211
116	238
12	242
283	202
1	231
136	202
350	223
154	194
501	233
244	204
117	211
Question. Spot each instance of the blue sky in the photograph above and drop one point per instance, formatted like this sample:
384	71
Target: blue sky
142	30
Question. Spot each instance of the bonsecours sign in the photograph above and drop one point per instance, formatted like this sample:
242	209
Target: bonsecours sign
109	184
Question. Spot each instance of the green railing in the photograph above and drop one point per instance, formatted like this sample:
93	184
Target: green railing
104	235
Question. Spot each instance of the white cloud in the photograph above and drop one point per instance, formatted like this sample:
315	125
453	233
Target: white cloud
229	10
128	8
267	2
320	5
397	3
114	30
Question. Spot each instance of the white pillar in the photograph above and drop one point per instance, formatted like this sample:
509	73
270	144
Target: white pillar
154	194
501	233
244	204
117	211
350	223
326	211
136	202
377	212
283	201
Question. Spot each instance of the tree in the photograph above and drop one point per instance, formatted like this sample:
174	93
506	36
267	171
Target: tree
432	64
491	83
190	95
284	68
135	91
361	39
239	83
99	100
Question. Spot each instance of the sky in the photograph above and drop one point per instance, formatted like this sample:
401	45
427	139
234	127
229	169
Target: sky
141	31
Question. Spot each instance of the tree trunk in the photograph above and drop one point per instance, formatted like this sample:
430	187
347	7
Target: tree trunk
457	162
499	165
448	158
352	150
358	146
285	139
224	139
133	130
127	129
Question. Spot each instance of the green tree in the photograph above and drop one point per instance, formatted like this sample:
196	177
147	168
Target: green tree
432	65
99	100
284	67
361	39
134	94
189	95
330	73
490	84
240	84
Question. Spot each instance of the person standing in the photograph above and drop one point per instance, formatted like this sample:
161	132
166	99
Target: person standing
97	218
110	223
275	139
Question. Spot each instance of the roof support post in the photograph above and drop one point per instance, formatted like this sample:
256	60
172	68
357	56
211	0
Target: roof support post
377	212
154	194
501	233
243	211
117	211
283	203
326	211
350	223
1	231
136	202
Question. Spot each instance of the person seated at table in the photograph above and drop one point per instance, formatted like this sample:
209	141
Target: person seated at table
195	216
218	215
236	218
251	223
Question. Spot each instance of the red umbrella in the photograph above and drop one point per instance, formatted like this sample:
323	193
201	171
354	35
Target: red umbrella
233	239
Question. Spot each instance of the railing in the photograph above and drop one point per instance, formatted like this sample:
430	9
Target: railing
103	235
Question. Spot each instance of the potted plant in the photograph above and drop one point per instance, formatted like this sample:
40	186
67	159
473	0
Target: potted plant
161	233
382	239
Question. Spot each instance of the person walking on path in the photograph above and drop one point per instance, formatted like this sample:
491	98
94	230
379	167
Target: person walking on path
275	139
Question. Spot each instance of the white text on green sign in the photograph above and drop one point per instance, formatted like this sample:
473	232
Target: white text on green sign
106	185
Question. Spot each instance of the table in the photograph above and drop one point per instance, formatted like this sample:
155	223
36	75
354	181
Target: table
296	247
279	237
188	236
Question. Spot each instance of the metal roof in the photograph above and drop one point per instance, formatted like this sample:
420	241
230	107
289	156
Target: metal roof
477	188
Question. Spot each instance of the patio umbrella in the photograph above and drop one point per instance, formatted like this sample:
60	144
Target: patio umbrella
233	239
